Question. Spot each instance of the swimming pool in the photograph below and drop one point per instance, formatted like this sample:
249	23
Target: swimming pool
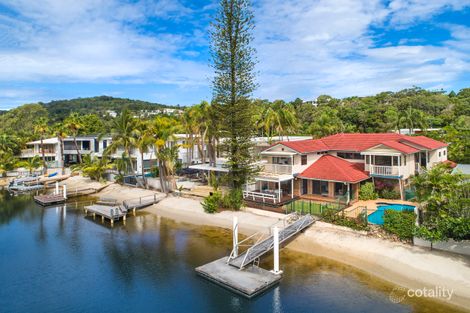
377	217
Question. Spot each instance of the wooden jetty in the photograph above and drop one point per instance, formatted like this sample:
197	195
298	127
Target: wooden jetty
110	209
239	272
49	199
111	213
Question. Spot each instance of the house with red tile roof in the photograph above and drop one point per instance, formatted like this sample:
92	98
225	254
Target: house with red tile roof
332	168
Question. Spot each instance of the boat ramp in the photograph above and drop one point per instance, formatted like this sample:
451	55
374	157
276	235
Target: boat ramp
239	272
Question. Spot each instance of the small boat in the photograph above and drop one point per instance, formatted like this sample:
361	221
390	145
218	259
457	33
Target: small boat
53	174
25	184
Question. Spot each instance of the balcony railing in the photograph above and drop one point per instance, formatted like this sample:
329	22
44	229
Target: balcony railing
261	196
384	170
276	168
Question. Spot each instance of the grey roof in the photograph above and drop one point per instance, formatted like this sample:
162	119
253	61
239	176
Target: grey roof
462	168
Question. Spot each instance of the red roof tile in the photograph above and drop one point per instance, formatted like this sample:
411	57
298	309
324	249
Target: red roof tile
333	168
360	142
399	146
304	146
425	142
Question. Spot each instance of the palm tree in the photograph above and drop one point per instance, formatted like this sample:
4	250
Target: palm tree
41	128
93	166
8	143
279	118
163	129
122	133
168	157
60	132
73	124
31	164
143	140
7	163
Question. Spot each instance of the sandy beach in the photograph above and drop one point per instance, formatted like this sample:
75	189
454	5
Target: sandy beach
404	265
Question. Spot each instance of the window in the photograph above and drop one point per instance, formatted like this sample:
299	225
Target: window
316	188
444	152
304	186
395	161
85	145
350	155
281	160
303	160
340	189
404	160
439	153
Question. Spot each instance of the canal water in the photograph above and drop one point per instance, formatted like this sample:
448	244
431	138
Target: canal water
56	260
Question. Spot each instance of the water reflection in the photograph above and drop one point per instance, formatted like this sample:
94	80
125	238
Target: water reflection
148	265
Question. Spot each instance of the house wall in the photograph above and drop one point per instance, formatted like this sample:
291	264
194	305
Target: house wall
298	167
437	156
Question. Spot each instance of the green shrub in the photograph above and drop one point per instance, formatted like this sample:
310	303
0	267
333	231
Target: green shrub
390	194
331	216
367	192
400	223
212	202
233	200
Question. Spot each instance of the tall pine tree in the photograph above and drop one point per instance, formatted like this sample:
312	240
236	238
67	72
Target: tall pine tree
233	60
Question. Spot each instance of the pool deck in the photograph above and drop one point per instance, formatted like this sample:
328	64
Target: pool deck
371	206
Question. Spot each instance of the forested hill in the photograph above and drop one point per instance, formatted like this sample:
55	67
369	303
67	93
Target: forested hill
60	109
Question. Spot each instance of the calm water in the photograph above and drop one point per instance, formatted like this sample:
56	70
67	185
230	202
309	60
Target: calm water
56	260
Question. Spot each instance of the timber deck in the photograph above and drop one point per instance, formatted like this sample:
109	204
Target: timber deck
49	199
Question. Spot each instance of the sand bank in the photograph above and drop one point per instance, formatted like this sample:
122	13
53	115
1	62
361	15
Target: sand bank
403	265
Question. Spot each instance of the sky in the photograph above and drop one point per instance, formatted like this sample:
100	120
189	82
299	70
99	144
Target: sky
158	50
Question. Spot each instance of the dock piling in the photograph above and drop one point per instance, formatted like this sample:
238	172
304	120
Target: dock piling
65	191
235	236
276	251
56	187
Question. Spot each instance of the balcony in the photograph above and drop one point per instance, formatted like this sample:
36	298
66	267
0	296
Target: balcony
279	169
29	153
382	170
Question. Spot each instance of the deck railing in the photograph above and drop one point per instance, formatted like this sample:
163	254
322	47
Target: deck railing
276	168
384	170
260	196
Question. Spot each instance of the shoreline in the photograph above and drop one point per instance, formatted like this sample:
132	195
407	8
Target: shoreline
397	263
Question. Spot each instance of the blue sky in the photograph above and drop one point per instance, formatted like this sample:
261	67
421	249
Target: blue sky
158	50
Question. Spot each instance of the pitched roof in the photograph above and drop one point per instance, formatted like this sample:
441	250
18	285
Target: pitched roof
399	146
304	146
330	167
425	142
359	142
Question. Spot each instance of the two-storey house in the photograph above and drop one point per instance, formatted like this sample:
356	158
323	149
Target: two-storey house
332	168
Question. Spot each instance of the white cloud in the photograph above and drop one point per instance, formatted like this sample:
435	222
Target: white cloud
305	48
409	11
310	48
93	41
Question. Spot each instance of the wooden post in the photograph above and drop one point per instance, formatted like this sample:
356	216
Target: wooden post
65	191
56	187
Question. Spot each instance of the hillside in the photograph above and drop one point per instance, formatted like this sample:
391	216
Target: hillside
59	109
